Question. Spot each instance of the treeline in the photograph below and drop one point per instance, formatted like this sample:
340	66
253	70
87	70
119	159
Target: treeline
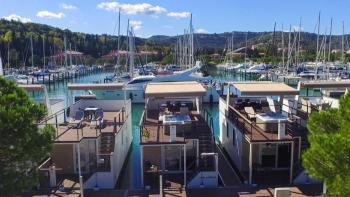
16	37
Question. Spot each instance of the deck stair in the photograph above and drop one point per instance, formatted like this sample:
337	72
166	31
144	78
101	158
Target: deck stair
107	143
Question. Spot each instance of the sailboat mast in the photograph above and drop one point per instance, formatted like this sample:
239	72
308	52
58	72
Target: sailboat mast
245	56
128	47
298	50
318	35
289	49
44	49
31	48
330	41
65	52
131	40
342	46
118	59
146	51
70	54
282	46
191	47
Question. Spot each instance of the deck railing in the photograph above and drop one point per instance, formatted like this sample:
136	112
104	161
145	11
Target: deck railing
152	132
254	130
59	120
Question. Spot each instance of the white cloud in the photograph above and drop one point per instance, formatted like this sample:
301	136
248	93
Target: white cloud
168	27
297	28
179	14
201	31
140	8
136	24
68	7
14	17
49	15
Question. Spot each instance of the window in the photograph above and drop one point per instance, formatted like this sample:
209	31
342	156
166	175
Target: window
139	81
227	130
233	136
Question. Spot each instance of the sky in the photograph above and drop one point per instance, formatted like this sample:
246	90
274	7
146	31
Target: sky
171	17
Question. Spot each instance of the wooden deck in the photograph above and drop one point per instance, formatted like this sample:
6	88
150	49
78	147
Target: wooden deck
253	132
159	133
67	133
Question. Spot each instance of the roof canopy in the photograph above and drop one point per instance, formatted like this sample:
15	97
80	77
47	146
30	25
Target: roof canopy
264	89
95	86
175	89
33	87
326	84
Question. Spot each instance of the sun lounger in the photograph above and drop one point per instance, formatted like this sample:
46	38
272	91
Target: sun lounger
250	112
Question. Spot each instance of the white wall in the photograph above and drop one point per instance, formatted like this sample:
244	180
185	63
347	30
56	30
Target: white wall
235	149
123	139
106	105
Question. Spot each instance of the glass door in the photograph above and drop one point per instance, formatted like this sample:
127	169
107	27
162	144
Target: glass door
172	159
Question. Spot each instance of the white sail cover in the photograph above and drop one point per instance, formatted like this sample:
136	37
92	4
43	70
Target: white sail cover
1	70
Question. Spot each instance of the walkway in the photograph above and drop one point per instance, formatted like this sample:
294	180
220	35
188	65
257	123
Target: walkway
227	173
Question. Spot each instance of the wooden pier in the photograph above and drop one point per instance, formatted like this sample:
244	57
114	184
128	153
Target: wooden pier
51	78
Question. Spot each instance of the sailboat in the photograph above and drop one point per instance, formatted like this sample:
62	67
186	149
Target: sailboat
134	88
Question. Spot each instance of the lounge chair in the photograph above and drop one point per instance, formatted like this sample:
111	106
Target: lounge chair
97	120
305	105
265	109
184	111
250	112
77	120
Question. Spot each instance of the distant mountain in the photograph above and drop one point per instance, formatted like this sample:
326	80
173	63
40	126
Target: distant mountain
219	41
96	46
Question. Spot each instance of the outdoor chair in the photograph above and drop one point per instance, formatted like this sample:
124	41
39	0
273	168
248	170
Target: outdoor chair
77	120
97	120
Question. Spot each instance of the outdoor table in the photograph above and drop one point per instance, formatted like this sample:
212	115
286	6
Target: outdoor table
176	119
172	121
269	121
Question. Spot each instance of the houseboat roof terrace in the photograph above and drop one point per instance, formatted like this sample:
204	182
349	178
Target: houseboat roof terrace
258	116
174	105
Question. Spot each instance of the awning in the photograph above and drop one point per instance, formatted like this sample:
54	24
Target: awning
175	89
33	87
95	86
264	89
325	84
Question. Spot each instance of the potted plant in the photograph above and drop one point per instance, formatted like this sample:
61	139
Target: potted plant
145	133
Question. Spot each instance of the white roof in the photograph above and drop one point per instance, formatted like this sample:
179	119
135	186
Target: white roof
264	89
95	86
175	89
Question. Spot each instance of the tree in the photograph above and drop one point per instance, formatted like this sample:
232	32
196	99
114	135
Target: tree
22	144
328	158
8	38
167	59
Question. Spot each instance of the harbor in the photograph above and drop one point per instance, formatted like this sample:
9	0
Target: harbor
174	99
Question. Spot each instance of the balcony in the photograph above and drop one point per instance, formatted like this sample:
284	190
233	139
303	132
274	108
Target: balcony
66	133
255	129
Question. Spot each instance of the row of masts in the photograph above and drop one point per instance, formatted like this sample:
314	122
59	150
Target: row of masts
44	54
184	48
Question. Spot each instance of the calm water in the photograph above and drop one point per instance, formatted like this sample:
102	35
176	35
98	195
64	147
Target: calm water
131	176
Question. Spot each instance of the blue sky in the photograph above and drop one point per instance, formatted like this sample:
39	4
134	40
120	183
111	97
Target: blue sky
170	17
